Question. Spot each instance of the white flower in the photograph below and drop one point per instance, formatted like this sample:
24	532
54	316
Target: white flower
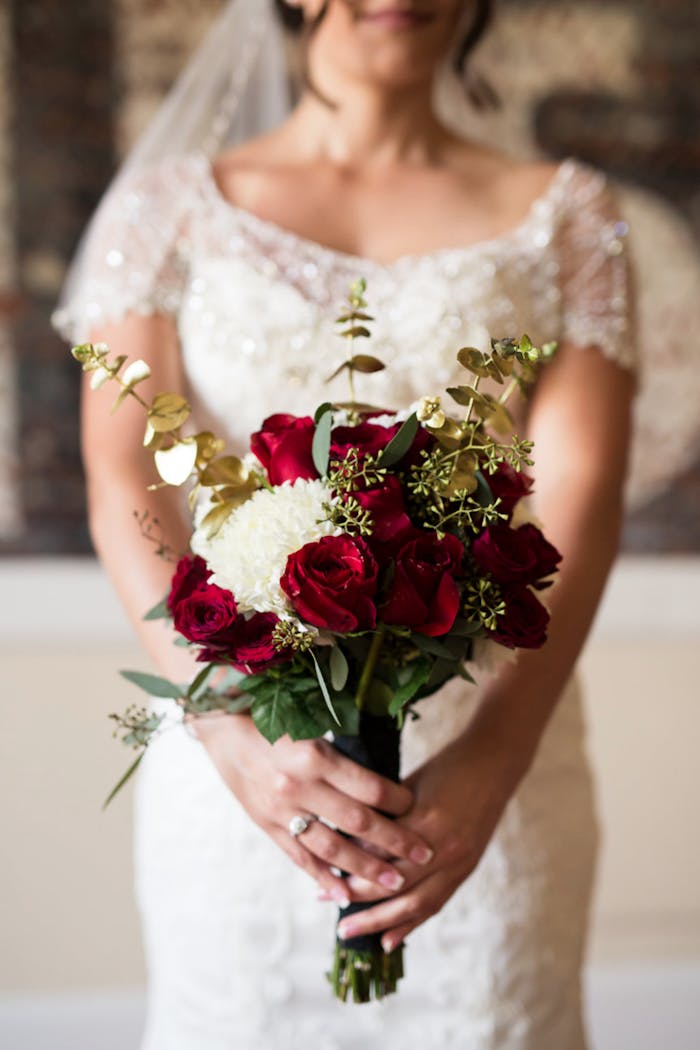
249	553
135	373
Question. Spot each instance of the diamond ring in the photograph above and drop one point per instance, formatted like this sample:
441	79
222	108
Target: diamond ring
299	824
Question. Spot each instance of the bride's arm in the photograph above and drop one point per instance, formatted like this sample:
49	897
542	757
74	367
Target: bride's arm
580	422
273	783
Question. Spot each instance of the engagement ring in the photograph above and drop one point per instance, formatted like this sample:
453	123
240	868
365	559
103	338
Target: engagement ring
299	824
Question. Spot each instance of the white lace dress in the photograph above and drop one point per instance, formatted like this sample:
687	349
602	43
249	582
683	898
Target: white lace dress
236	942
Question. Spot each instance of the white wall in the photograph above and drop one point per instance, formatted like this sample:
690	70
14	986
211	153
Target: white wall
66	913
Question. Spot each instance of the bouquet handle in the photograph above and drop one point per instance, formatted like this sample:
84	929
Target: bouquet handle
360	964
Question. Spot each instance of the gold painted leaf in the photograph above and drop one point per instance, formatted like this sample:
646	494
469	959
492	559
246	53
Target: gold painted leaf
228	470
168	412
366	363
175	464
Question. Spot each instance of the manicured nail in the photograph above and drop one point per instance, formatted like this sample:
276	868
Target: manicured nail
392	880
341	898
346	930
421	854
388	944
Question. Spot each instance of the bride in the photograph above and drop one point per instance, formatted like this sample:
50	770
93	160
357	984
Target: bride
224	266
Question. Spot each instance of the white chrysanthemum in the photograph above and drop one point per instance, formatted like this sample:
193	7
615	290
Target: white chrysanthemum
249	553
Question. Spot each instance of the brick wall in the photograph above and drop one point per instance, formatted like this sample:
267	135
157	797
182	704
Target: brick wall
616	83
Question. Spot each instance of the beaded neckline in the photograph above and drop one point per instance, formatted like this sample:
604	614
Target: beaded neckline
281	233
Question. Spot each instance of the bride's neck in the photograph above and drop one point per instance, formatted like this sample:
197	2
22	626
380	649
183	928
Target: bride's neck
366	127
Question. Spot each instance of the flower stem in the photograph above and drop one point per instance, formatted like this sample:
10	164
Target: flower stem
368	669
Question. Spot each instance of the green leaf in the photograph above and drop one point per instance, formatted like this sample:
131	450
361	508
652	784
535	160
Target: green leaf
321	446
153	685
324	687
339	668
200	679
321	410
400	443
120	784
420	672
159	611
466	628
442	671
277	712
483	495
431	645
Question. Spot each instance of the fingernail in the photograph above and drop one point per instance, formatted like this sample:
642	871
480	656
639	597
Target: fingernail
341	898
345	931
392	880
421	855
388	944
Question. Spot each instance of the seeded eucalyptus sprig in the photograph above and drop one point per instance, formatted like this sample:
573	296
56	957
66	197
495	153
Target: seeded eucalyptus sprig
178	457
356	319
449	483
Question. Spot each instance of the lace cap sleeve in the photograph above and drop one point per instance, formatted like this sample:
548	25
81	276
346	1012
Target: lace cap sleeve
596	279
132	257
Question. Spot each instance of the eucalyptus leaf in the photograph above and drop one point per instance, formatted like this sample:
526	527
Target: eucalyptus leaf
120	783
159	611
153	684
365	363
321	446
400	443
324	687
321	410
200	680
339	668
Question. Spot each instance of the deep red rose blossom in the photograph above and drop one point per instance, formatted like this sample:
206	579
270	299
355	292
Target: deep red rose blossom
509	486
283	446
371	438
331	583
524	623
515	556
391	524
251	647
206	614
424	594
190	573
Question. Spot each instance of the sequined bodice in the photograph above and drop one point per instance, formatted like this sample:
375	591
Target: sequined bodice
255	304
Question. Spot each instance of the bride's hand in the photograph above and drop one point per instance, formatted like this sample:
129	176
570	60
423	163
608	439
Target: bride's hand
275	782
459	797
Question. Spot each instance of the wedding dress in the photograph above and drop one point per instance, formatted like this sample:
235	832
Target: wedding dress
235	939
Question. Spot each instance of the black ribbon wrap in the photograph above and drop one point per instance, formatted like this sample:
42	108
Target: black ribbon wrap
376	747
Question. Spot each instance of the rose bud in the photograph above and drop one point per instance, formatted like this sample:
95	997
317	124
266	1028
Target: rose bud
283	446
252	649
190	573
515	556
524	623
509	486
424	594
206	615
331	582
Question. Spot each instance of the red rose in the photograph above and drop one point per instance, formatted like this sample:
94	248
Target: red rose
424	594
390	522
206	614
283	446
368	438
251	648
371	438
509	486
331	582
515	556
189	575
524	623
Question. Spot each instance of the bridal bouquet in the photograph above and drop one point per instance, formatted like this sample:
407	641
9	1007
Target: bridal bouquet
348	567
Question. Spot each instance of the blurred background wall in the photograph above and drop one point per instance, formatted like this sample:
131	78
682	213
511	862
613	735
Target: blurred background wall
614	83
